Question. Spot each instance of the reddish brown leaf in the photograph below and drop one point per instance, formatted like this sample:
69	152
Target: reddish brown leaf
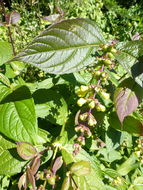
57	164
31	179
35	165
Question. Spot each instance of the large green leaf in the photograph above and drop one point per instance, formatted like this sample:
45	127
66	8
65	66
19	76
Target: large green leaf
18	119
65	47
93	181
50	104
130	56
10	162
127	97
5	52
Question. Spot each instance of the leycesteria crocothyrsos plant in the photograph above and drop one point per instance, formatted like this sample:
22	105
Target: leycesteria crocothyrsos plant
59	132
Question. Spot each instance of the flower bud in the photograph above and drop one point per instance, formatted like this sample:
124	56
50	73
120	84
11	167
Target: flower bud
81	101
105	95
52	180
92	122
81	140
92	104
84	88
83	116
100	107
80	93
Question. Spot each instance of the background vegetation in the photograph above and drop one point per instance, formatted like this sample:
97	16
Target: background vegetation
115	153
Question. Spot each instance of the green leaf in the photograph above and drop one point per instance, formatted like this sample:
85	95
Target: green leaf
18	119
81	168
137	184
131	124
127	97
5	52
65	47
10	162
130	56
50	104
128	165
93	181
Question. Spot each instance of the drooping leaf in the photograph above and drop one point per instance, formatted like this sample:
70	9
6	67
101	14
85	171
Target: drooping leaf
65	47
26	150
127	98
131	124
130	56
10	162
93	181
51	105
57	164
5	52
18	119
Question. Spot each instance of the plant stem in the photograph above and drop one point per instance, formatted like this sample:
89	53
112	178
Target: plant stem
8	26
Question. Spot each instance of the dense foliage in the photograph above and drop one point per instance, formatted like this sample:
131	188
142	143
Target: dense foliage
71	95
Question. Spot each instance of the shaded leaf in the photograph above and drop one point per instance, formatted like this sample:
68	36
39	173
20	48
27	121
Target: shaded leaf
51	105
131	124
74	41
127	98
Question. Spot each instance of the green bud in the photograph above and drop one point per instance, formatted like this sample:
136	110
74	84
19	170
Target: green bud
52	180
100	107
81	168
81	101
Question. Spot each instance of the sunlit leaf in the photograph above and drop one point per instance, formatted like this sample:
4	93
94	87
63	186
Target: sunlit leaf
65	47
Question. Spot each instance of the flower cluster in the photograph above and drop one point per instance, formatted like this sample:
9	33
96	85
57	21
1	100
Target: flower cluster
89	95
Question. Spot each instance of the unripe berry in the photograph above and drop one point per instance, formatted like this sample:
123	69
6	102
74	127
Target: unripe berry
107	62
81	101
113	50
97	73
105	95
100	107
110	55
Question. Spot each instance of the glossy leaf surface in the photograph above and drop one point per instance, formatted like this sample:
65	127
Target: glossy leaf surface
65	47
